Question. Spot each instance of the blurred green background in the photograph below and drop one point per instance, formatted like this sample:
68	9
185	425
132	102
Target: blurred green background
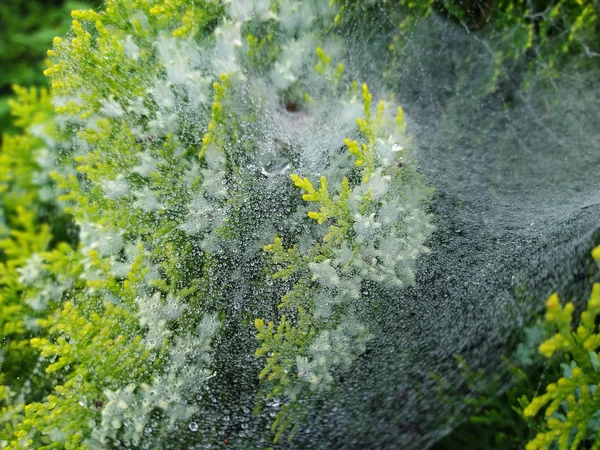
26	31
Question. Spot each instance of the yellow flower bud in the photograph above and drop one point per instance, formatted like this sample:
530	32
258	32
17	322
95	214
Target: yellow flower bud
547	348
553	302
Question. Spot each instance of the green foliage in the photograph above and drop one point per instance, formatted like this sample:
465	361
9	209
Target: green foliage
492	420
26	31
556	358
202	215
543	35
361	222
570	404
28	246
175	186
93	354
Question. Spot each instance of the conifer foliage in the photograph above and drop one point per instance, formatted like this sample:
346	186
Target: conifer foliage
196	222
571	404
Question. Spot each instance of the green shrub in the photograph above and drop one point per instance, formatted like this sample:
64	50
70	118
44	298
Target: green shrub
26	31
571	405
208	248
204	223
545	36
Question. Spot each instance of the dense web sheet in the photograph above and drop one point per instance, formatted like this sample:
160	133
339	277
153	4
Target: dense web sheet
175	155
516	204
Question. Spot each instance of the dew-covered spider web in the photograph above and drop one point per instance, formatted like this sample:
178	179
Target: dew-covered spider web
516	204
191	152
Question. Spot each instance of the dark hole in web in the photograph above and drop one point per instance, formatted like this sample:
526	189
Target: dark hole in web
291	106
